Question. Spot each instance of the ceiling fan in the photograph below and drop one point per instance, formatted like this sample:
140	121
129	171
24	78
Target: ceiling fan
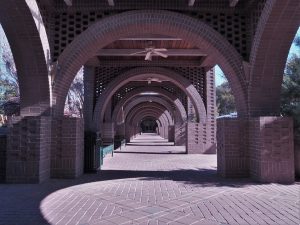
152	51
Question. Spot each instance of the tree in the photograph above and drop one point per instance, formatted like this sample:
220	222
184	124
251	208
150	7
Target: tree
225	99
75	98
9	85
290	96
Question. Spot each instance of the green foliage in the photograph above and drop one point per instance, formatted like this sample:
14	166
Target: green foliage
225	99
290	97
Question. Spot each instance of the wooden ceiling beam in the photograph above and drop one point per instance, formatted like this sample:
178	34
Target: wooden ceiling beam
169	52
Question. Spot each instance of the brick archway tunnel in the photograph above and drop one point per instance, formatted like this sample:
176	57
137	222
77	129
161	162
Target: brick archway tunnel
248	145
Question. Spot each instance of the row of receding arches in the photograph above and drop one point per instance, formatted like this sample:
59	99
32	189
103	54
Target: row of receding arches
255	84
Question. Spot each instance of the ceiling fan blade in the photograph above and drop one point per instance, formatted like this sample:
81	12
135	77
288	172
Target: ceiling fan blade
148	56
160	49
136	53
160	54
156	80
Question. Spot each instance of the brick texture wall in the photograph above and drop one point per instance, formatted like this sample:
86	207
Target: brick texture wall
67	148
28	150
180	134
3	139
271	148
260	147
232	154
194	143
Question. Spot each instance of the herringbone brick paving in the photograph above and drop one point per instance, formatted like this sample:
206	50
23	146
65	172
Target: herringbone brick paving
151	182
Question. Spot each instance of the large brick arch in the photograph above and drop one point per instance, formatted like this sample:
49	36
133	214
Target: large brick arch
158	109
145	100
144	73
29	46
161	116
178	104
140	22
274	35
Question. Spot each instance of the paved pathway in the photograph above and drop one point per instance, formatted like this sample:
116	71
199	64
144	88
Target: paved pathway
151	182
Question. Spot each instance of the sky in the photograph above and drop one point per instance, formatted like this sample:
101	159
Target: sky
220	76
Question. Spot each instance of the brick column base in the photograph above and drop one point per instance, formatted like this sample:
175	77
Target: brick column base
171	133
194	144
180	134
108	133
3	141
271	148
28	150
67	148
232	154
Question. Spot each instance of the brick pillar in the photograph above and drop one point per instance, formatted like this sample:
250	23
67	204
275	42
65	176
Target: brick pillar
271	149
297	155
180	134
90	154
89	96
232	153
67	148
28	150
171	133
194	142
3	141
209	129
108	133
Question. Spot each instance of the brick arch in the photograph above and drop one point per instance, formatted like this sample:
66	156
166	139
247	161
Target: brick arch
158	109
139	22
275	32
144	101
160	118
144	73
178	104
29	46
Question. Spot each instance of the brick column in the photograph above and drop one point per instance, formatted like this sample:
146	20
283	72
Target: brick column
90	154
271	149
209	129
108	133
180	134
171	133
194	143
67	148
232	153
3	141
28	150
297	155
89	96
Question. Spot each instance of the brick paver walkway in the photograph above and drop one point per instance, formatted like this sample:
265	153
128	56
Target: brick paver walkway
151	182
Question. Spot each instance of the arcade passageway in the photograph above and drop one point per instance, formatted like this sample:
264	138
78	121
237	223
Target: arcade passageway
148	77
151	182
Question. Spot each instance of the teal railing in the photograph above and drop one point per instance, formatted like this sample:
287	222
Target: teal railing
104	150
